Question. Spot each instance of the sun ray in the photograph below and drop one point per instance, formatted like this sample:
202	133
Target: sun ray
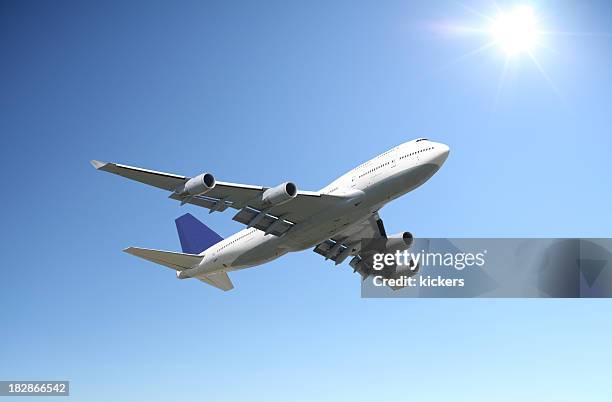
497	7
548	80
475	12
518	33
464	56
549	48
501	82
577	34
454	28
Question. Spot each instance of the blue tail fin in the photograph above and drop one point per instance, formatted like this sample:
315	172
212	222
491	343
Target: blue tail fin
194	235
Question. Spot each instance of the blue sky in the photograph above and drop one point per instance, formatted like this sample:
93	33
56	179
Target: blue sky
263	92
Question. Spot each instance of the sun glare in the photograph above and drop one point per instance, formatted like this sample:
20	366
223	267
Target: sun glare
516	31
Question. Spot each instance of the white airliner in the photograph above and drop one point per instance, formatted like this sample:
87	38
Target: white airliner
339	221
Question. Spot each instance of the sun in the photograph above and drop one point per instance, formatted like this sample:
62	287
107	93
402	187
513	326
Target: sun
516	31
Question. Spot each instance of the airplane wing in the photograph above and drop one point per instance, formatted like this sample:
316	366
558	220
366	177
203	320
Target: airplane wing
243	197
361	241
350	241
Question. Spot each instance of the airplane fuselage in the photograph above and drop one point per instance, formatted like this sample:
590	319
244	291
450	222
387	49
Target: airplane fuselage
366	189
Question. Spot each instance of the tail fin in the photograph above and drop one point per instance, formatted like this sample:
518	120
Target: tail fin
195	236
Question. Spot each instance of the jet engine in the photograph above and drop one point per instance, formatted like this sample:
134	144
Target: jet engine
280	194
364	263
397	272
365	269
199	185
398	242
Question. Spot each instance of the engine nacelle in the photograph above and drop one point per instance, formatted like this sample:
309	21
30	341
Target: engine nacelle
280	194
399	242
408	271
399	271
388	272
200	184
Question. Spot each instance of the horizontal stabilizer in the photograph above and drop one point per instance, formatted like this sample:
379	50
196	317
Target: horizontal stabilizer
170	259
181	261
219	280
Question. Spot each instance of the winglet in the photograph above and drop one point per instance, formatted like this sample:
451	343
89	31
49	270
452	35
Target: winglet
97	164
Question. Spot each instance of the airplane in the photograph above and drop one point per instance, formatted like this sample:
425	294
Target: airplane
339	221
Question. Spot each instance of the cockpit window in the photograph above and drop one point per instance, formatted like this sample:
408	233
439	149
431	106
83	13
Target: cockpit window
421	139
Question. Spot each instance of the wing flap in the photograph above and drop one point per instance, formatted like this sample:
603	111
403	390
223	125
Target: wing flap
210	203
266	222
330	249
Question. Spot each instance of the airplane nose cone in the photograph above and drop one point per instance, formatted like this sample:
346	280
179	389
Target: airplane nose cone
442	151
